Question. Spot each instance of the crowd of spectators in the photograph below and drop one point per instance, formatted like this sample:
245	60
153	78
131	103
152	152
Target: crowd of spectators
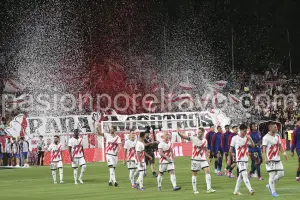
277	96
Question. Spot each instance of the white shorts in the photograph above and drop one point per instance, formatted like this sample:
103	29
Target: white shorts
243	166
197	165
111	160
141	168
131	164
56	165
78	162
163	167
274	166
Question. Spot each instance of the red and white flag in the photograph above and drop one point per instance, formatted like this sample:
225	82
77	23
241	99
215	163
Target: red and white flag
186	86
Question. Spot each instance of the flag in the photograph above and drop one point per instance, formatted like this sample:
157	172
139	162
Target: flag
233	99
182	97
186	86
12	86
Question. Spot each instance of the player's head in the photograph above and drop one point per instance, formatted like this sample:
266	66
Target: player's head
22	138
235	129
273	127
211	128
243	129
76	133
142	135
201	132
219	129
131	135
56	139
253	127
113	130
13	139
227	127
8	139
165	136
41	137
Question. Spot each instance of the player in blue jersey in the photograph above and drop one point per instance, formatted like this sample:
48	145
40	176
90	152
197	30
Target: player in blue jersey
255	152
296	145
218	150
209	137
225	144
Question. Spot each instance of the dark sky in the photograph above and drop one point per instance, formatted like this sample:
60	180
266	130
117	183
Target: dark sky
105	29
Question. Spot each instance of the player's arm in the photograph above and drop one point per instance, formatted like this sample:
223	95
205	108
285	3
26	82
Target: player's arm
125	155
172	155
99	131
265	154
230	155
252	145
82	150
183	136
222	141
70	152
293	143
161	153
282	150
260	139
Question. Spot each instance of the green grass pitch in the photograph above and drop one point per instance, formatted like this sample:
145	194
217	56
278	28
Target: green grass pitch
36	183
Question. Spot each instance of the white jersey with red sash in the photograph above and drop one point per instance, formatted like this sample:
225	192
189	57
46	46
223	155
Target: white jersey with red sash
272	144
55	150
76	145
140	147
167	149
112	144
241	145
199	148
130	147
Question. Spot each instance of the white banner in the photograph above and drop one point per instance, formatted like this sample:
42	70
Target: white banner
33	127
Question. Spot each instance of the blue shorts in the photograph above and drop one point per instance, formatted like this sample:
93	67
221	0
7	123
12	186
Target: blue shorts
8	155
1	156
16	155
25	155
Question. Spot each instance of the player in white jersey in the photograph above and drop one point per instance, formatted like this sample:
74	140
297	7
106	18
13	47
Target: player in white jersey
113	146
56	159
241	144
200	159
271	151
140	158
129	157
77	155
166	162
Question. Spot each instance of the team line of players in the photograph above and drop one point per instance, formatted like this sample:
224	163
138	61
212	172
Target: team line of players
135	157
